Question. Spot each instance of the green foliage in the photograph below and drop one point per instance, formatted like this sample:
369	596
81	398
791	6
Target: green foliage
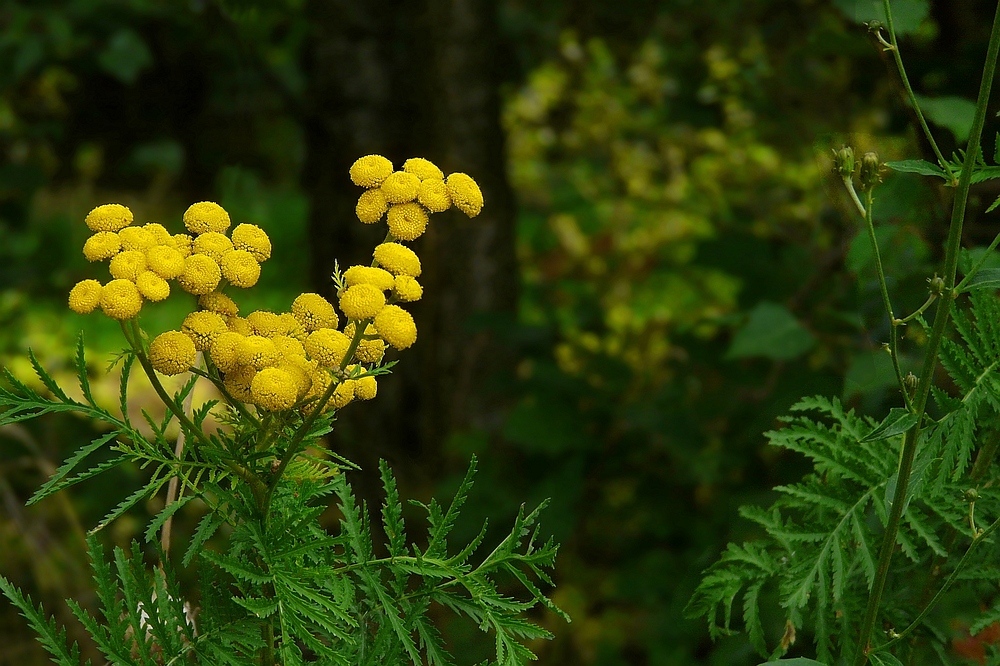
281	582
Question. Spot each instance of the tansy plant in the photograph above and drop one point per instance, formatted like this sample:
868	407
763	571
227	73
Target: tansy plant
276	588
890	541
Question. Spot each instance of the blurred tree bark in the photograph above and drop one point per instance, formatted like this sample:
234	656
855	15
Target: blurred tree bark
407	79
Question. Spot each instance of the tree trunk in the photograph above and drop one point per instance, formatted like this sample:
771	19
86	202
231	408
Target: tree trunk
415	79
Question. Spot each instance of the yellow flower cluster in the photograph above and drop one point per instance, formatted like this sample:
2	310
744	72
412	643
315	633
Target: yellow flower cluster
144	260
276	361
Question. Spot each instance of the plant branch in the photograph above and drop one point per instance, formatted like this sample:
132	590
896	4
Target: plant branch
941	318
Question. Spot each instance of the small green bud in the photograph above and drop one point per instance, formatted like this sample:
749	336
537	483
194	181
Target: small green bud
910	380
869	175
971	495
936	285
843	161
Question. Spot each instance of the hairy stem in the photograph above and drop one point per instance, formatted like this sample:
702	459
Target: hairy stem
941	318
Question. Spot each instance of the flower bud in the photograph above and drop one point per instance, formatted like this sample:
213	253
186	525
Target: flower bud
869	175
936	285
843	161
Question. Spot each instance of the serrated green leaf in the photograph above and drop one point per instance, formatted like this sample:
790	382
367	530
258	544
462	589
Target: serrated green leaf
985	278
54	484
771	332
922	167
162	517
896	423
883	659
52	638
127	503
954	113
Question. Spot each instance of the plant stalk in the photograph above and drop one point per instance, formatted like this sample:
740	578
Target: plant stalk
941	317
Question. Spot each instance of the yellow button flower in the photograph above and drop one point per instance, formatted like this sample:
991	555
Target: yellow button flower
203	328
314	312
172	353
398	259
200	275
266	323
238	380
396	326
362	301
182	243
422	169
407	289
371	206
159	233
120	299
136	238
259	352
206	216
377	277
433	195
368	351
85	296
109	217
152	286
212	244
400	187
343	394
301	377
327	347
240	325
292	327
102	245
225	351
253	239
407	221
465	193
369	171
240	268
165	261
219	303
127	265
319	382
365	388
288	348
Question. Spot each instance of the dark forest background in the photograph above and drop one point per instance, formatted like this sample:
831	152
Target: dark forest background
664	264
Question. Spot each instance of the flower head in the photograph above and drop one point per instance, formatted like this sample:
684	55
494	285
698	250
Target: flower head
102	245
120	299
407	221
203	328
465	193
172	353
396	326
253	239
400	187
327	347
152	286
240	268
127	265
158	232
343	394
212	244
225	351
314	312
237	381
206	216
85	296
266	323
299	372
219	303
397	259
376	277
259	352
407	289
136	238
165	261
422	169
109	217
433	195
288	348
371	206
365	388
368	351
362	301
369	171
201	274
182	243
239	325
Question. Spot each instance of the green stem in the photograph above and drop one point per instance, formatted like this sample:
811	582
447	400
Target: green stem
919	311
960	287
239	406
894	47
933	346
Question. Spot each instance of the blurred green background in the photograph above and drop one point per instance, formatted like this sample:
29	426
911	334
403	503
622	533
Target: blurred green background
665	262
